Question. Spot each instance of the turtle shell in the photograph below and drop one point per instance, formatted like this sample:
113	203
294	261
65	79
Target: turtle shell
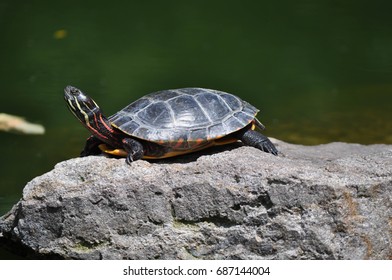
187	115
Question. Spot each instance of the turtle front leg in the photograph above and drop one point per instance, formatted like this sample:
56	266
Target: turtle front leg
134	149
91	147
255	139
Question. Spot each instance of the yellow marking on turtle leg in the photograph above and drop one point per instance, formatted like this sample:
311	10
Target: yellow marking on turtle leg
253	126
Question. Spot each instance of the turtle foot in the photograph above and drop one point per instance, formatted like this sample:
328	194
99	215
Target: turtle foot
255	139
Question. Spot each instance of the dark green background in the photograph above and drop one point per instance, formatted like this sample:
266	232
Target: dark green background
320	71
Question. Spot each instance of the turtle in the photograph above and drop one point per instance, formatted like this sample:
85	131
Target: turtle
168	123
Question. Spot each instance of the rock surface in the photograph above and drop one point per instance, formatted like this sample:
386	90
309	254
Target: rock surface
330	201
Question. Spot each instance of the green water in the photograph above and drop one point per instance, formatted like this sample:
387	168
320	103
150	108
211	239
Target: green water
320	71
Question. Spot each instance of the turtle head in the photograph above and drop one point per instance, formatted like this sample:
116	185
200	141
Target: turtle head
88	113
81	105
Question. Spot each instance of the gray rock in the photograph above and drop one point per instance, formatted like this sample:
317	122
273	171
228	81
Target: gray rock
321	202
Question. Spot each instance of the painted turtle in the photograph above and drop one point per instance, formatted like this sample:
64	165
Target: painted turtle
168	123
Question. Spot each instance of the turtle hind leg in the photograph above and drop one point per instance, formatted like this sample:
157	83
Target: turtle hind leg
255	139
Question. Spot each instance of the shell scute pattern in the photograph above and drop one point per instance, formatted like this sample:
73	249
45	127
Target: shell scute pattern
187	112
156	115
184	115
232	101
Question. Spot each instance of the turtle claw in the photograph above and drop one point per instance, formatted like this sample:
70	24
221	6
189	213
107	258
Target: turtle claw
268	147
134	148
129	159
